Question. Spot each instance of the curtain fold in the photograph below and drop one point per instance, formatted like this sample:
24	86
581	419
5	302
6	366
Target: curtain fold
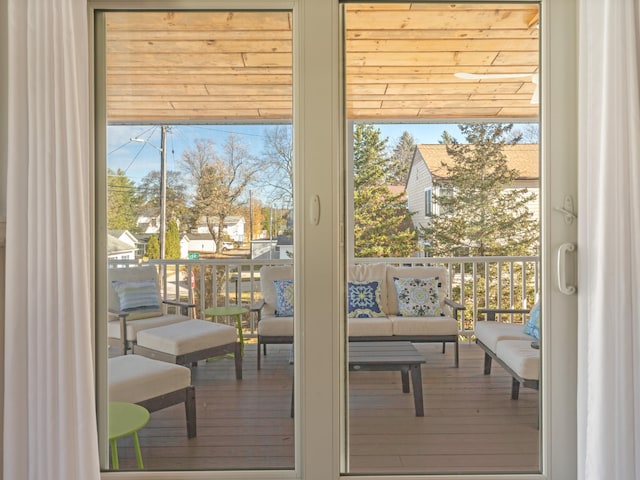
609	241
49	419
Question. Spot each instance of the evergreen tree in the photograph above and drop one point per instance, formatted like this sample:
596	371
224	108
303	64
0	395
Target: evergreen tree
400	160
383	226
172	239
480	211
121	202
153	247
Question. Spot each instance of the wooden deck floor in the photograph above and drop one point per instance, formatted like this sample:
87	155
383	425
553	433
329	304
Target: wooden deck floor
470	422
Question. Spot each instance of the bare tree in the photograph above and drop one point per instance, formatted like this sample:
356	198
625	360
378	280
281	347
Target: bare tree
277	164
222	180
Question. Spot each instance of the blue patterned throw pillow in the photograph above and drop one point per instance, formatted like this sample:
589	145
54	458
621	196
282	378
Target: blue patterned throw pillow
363	299
532	327
284	298
418	297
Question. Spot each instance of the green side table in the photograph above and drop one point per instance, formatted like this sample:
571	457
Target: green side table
126	419
233	311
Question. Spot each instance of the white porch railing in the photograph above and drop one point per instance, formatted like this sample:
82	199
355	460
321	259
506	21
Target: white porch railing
475	282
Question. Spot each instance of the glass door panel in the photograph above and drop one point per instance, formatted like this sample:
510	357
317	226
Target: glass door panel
199	214
442	104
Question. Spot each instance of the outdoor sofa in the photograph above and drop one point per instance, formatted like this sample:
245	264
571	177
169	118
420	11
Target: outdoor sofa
385	303
513	345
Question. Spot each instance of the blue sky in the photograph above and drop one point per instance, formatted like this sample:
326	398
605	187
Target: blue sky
138	159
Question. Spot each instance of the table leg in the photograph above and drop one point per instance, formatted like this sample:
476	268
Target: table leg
240	334
136	446
115	465
404	373
416	380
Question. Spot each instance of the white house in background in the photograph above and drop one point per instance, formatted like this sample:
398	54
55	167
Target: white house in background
233	227
199	242
428	174
148	224
184	246
119	250
125	236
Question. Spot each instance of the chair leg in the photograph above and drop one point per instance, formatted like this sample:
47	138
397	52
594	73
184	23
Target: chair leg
443	346
190	410
457	354
515	389
487	364
258	353
238	360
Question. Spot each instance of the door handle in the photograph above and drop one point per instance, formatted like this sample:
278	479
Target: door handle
562	269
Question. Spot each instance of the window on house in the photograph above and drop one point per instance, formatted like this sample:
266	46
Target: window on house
428	205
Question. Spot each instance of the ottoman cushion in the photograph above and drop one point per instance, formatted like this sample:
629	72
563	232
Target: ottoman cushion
186	337
134	378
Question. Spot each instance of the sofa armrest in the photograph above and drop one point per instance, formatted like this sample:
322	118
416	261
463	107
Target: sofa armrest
184	306
457	307
491	312
257	307
122	318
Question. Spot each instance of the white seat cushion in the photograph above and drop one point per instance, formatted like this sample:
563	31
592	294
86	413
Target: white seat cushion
272	326
373	326
134	378
135	326
186	337
424	325
490	333
520	357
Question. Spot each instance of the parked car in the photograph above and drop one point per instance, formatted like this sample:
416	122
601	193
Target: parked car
227	246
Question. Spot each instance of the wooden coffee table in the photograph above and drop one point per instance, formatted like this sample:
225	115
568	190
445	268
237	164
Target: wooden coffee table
391	356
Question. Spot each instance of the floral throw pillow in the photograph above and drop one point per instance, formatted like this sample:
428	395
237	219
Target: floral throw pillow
363	299
284	298
532	327
418	297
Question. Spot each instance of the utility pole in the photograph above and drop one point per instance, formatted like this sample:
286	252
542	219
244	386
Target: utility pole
163	189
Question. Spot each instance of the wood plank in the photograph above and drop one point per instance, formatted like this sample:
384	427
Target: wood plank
470	422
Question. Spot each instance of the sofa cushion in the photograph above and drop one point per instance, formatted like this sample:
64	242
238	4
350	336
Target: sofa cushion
272	326
521	358
532	327
416	272
135	326
370	327
424	325
363	299
490	333
372	272
284	298
268	274
418	297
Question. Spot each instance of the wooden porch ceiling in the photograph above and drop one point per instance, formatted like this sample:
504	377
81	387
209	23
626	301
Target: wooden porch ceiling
408	62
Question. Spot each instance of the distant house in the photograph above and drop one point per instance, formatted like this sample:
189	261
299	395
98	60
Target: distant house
119	250
233	227
199	242
428	174
126	237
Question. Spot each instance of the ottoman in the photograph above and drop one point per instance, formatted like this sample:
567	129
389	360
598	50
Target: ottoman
152	384
188	342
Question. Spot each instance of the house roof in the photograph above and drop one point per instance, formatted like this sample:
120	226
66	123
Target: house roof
117	246
230	220
412	61
522	157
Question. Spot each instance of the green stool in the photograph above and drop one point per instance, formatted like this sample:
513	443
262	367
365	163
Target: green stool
126	419
231	311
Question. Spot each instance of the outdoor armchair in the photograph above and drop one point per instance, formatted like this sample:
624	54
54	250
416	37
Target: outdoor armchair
135	304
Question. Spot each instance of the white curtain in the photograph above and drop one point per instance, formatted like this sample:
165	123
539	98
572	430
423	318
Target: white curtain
49	417
609	241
